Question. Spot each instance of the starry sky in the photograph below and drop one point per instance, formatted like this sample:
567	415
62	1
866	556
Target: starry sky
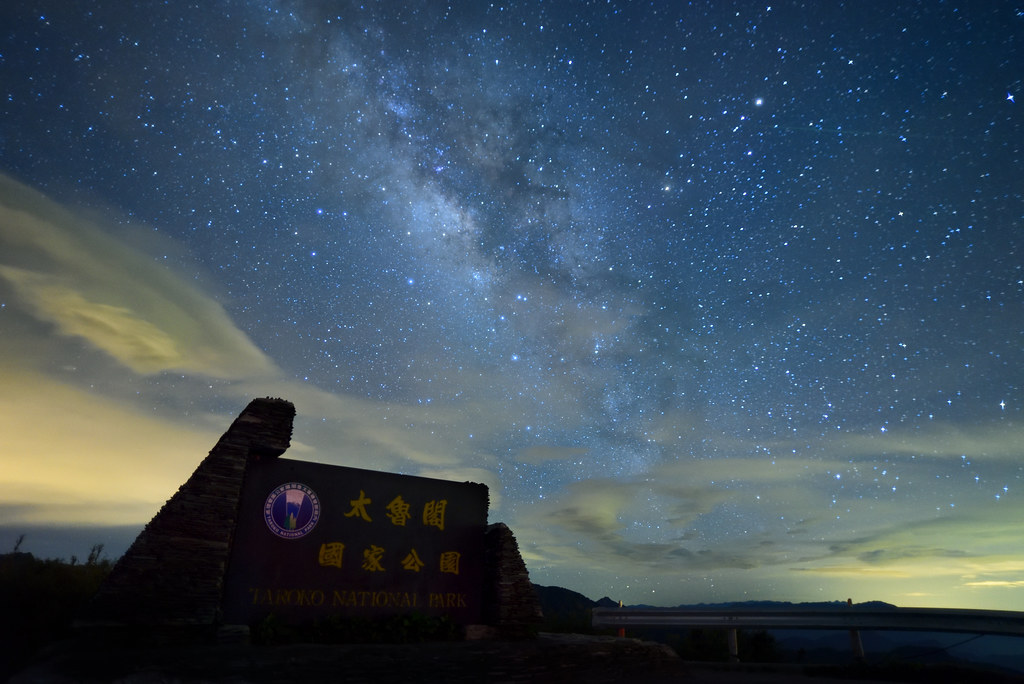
722	300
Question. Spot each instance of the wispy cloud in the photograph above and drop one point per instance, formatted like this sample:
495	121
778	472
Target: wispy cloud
69	272
1009	584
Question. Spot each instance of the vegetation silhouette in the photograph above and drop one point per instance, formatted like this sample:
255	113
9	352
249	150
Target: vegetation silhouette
40	599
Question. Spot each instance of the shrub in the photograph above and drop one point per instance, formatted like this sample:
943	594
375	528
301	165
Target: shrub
41	599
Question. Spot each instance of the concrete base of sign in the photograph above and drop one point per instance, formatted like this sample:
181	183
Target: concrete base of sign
481	632
233	634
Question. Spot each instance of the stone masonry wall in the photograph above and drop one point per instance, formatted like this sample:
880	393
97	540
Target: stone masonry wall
510	602
172	575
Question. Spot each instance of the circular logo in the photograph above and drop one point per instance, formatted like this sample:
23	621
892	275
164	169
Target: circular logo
292	510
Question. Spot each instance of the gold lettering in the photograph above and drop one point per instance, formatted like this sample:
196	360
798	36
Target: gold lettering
344	598
433	513
450	562
372	557
447	600
330	554
412	561
398	511
359	507
290	597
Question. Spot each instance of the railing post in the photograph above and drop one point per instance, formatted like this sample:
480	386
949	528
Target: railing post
734	646
855	643
622	630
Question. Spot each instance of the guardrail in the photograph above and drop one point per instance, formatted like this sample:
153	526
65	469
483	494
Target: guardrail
851	617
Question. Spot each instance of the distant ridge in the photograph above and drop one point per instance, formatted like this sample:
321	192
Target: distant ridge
565	610
562	602
774	605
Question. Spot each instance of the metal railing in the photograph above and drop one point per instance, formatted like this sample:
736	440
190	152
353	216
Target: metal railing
851	617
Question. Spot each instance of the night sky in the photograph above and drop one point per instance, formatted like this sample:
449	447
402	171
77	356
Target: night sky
722	300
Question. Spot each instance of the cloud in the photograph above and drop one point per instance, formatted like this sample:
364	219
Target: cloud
470	474
742	521
1010	584
96	430
904	557
72	274
939	440
71	456
606	523
137	343
892	555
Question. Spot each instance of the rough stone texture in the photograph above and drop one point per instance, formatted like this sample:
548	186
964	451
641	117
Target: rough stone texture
173	574
510	602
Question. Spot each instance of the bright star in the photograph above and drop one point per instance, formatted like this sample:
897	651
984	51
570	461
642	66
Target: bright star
1009	96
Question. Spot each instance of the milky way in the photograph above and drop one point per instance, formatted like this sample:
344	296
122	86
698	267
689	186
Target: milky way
721	300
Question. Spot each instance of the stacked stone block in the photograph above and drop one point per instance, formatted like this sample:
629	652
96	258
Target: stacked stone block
510	602
172	575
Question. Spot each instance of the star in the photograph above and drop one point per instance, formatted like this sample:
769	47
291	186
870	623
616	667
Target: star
624	280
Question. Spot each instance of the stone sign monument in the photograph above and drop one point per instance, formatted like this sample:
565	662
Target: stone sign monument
251	534
314	540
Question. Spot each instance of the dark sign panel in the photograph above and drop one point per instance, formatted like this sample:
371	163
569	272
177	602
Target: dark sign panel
315	540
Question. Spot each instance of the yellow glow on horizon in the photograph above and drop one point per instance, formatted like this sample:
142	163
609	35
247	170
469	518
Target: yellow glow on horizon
69	457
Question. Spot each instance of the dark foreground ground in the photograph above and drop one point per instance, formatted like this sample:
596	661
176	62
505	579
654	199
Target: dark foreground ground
563	658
